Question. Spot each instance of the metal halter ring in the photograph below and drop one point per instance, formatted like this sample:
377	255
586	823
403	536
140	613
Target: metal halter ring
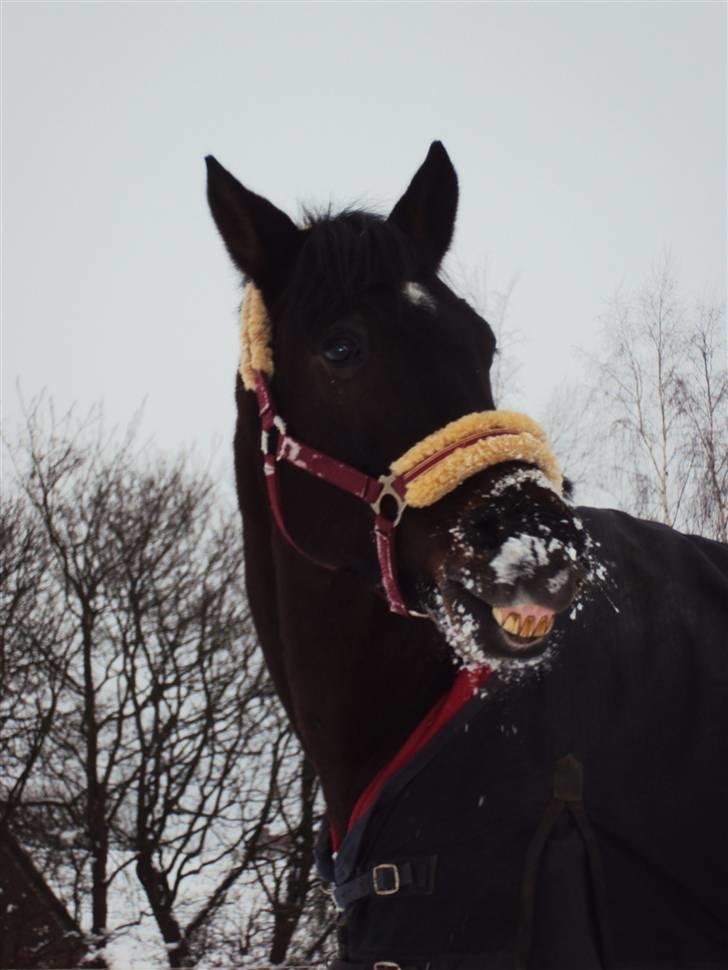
389	490
280	426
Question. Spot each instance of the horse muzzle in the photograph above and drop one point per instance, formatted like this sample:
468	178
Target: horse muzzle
511	564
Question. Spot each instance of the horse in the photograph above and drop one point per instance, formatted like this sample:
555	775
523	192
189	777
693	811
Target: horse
515	706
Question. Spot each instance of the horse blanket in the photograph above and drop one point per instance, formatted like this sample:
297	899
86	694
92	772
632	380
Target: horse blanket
574	816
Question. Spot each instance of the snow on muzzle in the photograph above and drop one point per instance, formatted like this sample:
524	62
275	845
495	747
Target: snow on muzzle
534	577
513	562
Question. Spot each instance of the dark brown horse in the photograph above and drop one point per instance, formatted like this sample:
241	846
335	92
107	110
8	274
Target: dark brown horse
499	665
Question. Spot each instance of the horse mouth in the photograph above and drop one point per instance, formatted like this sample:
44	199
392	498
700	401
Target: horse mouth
524	625
516	630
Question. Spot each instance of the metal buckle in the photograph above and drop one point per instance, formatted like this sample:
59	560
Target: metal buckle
394	872
387	489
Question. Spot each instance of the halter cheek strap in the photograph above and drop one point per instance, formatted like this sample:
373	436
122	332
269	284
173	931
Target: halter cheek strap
277	445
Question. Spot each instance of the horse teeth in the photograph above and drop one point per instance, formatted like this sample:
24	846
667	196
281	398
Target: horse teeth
527	626
544	626
513	624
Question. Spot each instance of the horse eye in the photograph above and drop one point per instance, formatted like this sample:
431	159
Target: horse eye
342	349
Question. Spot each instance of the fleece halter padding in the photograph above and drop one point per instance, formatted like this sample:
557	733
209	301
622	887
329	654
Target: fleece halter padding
256	343
443	460
424	474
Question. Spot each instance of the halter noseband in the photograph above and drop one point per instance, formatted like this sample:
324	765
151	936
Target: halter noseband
425	473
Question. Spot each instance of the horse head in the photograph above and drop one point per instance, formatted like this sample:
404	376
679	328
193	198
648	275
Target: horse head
370	353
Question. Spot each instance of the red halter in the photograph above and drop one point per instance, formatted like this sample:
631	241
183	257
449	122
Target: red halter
373	491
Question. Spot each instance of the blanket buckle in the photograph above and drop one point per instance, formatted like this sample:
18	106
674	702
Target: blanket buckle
385	880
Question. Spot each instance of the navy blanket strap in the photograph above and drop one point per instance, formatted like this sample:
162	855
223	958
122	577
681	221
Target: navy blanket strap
404	876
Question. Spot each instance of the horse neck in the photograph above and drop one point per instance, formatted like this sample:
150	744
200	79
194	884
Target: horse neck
354	678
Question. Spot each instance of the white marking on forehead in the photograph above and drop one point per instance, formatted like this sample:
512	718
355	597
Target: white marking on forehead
418	295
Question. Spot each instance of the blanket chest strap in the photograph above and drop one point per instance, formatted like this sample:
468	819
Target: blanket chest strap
412	877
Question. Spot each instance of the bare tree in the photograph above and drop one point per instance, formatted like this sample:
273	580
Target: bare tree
493	306
570	419
282	913
32	681
649	425
639	381
703	393
139	732
302	911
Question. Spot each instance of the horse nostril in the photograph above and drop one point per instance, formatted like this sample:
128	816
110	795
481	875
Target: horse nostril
484	528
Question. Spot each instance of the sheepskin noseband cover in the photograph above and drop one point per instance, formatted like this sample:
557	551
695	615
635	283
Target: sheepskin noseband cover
441	461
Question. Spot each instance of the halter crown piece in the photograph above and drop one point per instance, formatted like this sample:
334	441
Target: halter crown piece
424	474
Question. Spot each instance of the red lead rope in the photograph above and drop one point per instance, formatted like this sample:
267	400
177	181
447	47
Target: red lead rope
277	445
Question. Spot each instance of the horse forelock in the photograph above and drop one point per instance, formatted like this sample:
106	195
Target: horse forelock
346	256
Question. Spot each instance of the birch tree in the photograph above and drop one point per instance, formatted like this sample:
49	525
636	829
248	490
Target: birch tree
648	425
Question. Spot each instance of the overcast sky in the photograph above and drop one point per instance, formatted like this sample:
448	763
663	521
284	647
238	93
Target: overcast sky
588	138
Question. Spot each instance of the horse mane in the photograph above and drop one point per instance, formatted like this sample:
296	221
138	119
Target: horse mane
347	254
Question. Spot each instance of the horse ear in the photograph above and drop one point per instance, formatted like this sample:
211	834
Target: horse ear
261	239
426	211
